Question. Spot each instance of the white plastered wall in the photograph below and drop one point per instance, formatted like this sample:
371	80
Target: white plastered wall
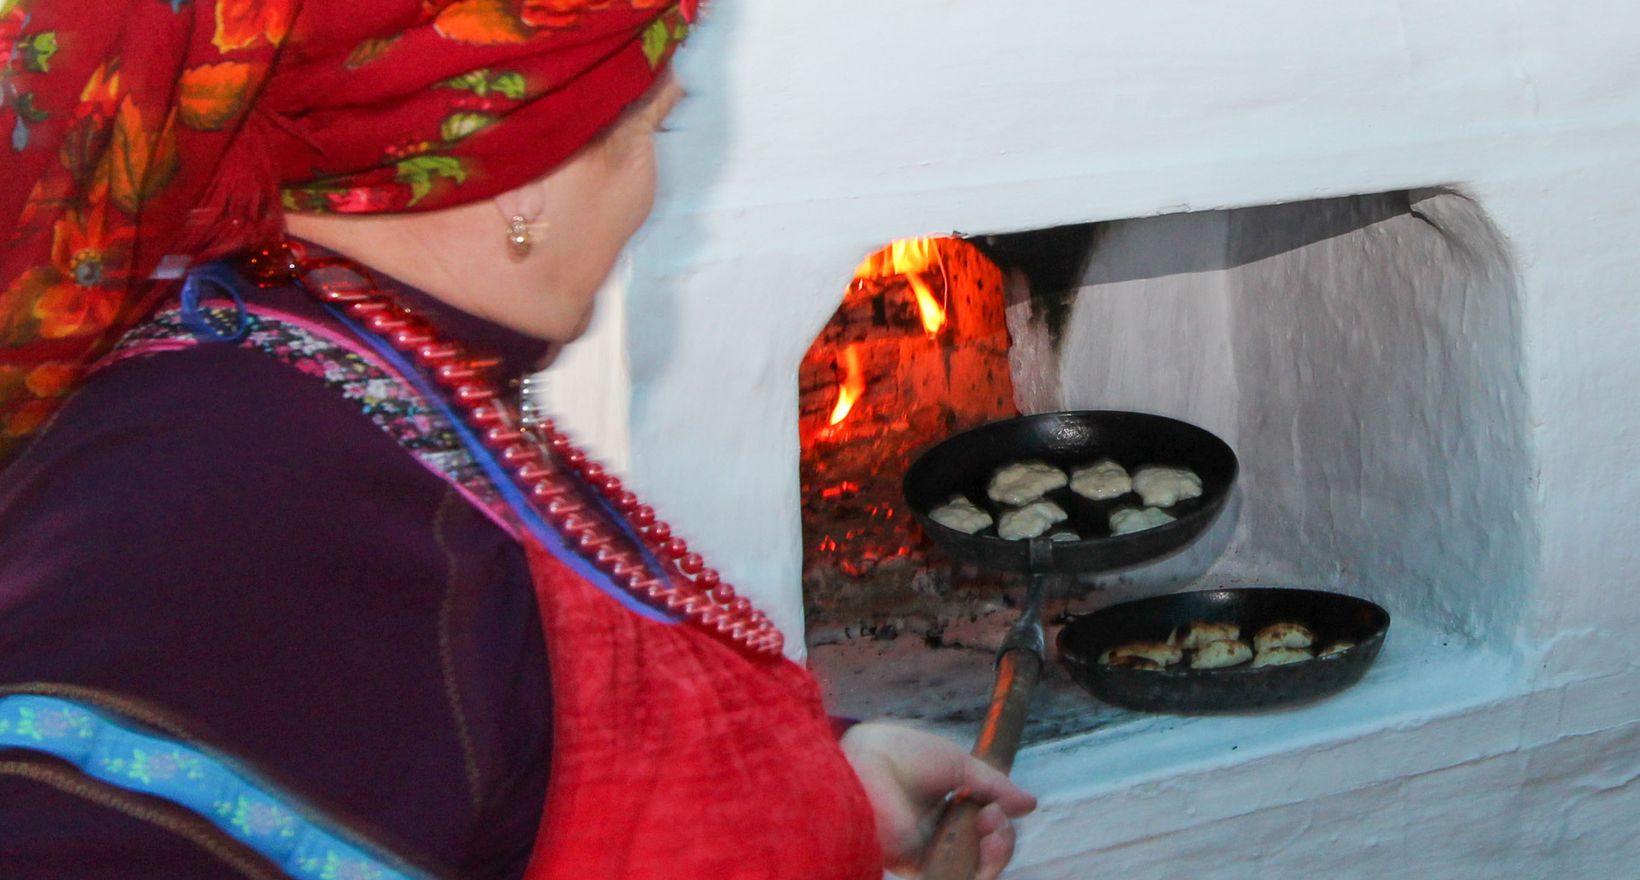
815	134
1363	356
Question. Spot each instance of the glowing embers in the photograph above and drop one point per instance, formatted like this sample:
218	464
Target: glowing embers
918	349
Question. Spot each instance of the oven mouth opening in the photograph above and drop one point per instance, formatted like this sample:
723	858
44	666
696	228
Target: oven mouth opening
1360	354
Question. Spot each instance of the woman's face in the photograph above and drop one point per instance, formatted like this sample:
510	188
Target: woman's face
591	206
587	208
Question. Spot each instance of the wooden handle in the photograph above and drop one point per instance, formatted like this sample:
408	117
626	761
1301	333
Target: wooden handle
953	853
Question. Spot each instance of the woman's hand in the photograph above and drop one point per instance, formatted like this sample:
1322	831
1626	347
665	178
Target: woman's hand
907	773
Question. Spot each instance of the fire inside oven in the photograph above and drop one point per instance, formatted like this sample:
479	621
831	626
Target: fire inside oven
1361	354
917	351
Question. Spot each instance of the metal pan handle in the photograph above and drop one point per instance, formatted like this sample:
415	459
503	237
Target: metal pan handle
953	852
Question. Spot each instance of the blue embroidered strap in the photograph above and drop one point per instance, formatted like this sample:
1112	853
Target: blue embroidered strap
249	811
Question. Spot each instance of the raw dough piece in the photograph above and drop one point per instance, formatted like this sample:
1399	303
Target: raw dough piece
1128	520
1166	486
1220	653
1025	481
1029	521
1101	480
1334	649
1281	657
1283	635
961	514
1063	535
1155	652
1199	632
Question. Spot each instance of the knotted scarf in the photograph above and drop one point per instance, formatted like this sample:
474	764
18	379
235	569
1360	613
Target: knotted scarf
140	136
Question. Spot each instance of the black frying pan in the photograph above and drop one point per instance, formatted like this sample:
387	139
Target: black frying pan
1331	616
964	463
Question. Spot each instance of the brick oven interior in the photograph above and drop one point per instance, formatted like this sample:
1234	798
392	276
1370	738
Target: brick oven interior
917	350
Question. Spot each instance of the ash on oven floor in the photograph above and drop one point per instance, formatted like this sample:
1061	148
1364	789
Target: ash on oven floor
945	686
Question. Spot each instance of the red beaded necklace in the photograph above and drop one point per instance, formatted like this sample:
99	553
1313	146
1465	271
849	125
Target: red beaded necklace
538	457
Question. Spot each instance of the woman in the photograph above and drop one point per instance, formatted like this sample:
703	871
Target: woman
287	588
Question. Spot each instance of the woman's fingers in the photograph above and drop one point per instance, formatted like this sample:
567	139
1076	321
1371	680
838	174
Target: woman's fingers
989	820
996	841
908	773
986	784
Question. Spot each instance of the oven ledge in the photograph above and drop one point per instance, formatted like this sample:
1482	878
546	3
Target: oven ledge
1437	759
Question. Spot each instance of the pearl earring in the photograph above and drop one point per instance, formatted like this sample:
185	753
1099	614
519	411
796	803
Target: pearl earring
518	237
521	234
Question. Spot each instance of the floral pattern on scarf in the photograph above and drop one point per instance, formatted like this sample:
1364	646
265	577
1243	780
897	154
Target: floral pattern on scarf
141	136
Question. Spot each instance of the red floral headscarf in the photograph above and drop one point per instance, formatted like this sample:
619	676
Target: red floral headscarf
138	136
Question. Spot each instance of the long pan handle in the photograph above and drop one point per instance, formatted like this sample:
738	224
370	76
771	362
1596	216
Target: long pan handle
953	853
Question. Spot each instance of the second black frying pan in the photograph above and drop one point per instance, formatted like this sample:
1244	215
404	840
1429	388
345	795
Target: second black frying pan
964	464
1333	617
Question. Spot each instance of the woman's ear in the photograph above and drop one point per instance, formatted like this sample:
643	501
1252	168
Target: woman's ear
527	201
520	208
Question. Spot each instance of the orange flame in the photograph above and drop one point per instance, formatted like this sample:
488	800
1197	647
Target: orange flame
910	257
933	314
852	386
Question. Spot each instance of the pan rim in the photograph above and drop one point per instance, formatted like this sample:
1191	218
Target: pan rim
1377	610
1231	689
1070	556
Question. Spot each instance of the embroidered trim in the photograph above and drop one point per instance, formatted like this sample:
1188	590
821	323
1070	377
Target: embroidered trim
391	399
386	399
191	828
251	812
108	701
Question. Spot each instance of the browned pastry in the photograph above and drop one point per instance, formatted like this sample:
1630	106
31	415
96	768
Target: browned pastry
1281	656
1136	663
1156	652
1221	653
1283	635
1197	633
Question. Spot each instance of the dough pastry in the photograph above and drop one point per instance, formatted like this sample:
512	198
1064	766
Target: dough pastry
1128	520
1025	481
1220	653
1155	652
1029	521
1063	535
1101	480
1166	486
1136	663
1283	635
1199	632
1281	657
1334	649
961	514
